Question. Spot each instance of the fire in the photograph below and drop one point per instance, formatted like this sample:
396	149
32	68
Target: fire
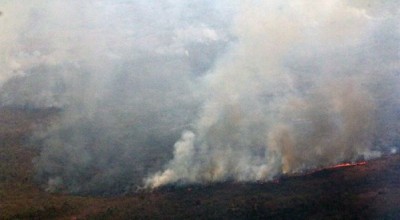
347	165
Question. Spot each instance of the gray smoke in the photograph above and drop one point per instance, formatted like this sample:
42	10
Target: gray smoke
307	85
158	92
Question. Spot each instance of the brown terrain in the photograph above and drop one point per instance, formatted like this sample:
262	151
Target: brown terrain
363	191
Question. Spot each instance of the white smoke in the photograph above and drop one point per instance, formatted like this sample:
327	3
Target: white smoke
302	88
124	75
253	88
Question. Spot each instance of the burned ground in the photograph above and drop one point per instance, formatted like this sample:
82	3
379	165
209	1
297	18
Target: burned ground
369	191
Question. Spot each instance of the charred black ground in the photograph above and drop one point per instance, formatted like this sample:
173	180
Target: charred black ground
370	191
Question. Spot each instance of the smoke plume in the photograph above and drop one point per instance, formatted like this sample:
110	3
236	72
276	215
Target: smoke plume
161	92
303	87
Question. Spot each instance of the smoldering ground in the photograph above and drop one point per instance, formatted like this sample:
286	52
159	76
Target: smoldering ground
159	92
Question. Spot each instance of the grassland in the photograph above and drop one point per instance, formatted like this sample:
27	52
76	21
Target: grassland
371	191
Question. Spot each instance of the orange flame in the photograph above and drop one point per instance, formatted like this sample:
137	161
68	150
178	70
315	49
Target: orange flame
311	171
347	165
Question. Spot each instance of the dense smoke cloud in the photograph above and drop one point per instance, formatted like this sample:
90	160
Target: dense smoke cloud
158	92
307	85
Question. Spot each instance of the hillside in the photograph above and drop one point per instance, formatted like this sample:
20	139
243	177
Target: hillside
369	191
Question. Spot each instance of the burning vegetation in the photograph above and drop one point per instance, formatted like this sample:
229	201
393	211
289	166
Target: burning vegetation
159	95
347	165
365	191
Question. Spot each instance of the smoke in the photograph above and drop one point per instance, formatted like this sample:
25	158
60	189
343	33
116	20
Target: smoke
307	85
159	92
